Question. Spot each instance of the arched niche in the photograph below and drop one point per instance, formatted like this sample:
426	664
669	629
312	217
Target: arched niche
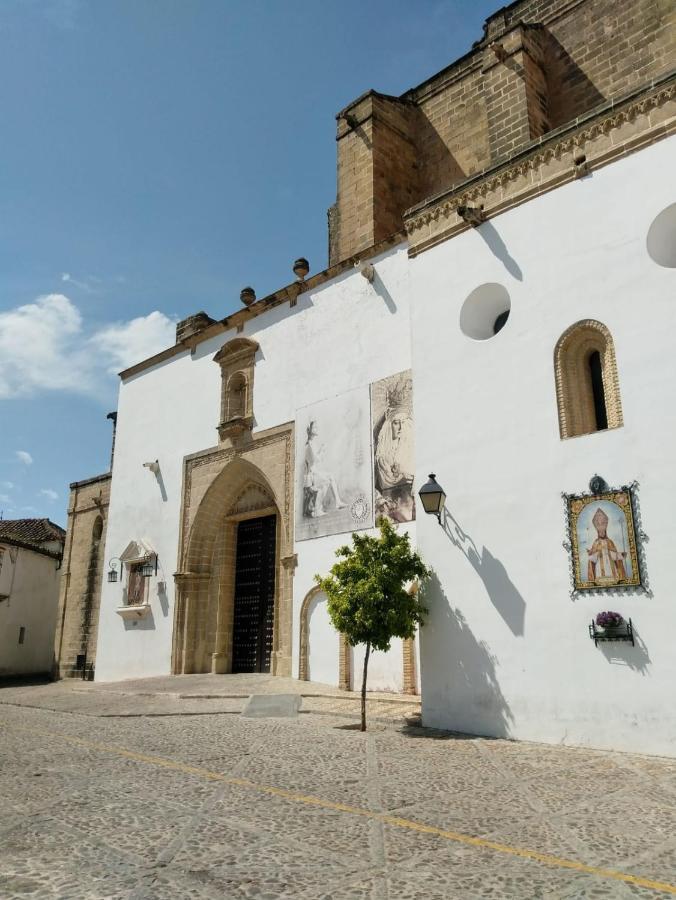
237	361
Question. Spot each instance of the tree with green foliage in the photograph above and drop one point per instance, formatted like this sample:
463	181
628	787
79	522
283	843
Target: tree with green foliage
367	597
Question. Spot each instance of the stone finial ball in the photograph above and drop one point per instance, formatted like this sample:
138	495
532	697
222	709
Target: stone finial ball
247	296
301	267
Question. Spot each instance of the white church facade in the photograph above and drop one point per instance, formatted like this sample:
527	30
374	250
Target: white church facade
501	315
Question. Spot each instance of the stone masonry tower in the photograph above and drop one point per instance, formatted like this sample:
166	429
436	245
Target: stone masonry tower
539	65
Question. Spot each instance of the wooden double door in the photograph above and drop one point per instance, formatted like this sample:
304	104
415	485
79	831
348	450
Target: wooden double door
254	613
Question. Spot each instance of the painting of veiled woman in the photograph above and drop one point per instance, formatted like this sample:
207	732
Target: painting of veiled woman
393	457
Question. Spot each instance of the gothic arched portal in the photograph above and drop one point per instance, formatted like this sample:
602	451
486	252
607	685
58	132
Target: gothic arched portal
221	489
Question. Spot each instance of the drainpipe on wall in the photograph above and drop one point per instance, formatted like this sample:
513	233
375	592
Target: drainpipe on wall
113	417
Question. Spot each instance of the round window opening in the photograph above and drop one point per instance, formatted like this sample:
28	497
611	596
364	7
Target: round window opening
485	312
661	241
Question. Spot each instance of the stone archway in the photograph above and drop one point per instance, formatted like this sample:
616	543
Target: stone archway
222	487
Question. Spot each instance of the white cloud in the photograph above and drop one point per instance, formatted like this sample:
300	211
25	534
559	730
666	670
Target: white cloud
44	346
4	498
7	484
24	457
126	343
49	494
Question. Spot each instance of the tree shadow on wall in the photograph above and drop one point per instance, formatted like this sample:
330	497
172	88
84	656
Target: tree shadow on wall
467	667
500	589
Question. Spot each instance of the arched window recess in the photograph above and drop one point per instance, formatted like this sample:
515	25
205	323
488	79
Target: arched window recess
587	382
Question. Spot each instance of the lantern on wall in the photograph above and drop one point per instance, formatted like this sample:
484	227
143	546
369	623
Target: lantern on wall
112	569
149	566
432	497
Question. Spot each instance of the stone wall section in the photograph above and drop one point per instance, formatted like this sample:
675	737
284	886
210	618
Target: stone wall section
539	65
82	572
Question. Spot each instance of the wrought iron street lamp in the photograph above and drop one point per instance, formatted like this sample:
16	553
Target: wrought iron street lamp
432	497
112	569
149	566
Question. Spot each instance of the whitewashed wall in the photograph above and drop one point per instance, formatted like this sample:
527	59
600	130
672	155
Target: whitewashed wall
32	582
317	557
346	334
506	650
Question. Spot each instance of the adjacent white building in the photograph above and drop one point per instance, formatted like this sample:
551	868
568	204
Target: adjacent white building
30	558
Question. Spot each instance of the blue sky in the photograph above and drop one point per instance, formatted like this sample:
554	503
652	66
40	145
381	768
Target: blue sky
157	156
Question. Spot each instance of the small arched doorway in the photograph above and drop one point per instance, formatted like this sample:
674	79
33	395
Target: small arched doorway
234	581
323	643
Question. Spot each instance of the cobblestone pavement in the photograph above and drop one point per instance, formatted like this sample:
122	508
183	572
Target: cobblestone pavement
104	804
199	694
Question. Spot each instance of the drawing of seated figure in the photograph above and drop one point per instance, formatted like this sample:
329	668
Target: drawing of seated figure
320	491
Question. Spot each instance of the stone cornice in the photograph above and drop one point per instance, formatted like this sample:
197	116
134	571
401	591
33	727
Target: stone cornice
588	143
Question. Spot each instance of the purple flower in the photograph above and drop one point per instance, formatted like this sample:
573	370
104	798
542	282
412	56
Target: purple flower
609	619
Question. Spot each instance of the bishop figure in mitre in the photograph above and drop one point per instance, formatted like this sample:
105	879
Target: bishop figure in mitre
606	563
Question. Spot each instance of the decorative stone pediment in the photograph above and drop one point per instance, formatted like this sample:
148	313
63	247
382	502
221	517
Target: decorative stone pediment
235	349
135	551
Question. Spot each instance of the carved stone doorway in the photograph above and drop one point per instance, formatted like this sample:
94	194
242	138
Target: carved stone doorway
222	489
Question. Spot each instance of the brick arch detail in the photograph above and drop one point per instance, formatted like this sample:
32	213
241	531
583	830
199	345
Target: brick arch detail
574	397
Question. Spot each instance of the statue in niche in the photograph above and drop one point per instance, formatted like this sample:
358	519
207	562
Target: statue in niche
237	397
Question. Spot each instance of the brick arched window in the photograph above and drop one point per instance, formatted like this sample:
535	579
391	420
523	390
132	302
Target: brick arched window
587	383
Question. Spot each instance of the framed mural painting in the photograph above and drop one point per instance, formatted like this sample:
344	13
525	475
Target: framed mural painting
393	456
603	540
334	483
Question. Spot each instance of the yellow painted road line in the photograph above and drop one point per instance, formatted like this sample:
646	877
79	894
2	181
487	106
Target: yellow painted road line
308	800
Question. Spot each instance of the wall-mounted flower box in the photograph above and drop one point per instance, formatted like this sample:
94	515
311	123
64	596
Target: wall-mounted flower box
611	627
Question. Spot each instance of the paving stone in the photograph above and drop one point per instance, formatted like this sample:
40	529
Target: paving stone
147	807
272	706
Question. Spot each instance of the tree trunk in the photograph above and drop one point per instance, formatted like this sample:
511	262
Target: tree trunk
363	687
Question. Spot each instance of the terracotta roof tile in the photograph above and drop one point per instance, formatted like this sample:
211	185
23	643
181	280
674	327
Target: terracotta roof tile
31	531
